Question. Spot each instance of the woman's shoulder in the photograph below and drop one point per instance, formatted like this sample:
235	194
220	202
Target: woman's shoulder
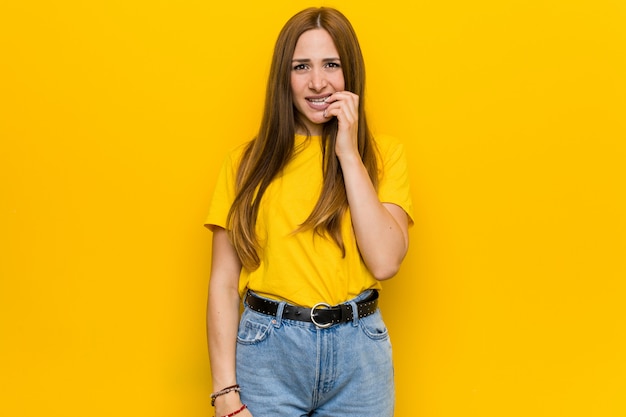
235	153
387	143
239	148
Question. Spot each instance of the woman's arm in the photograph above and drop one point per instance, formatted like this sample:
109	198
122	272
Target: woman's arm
223	320
381	229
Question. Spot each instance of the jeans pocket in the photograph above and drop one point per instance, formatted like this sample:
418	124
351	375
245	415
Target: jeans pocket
252	330
374	327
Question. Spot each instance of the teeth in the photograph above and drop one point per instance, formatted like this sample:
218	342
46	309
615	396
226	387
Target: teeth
318	100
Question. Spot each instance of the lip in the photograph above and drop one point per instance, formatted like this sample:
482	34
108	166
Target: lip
318	102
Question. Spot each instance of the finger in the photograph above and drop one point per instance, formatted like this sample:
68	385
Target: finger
342	114
345	100
349	102
342	95
334	110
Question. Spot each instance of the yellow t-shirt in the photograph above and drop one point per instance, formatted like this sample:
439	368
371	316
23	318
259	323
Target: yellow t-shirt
304	268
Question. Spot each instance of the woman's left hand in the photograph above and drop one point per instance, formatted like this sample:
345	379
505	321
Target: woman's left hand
345	106
381	230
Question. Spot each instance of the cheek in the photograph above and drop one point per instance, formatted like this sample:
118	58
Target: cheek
339	82
296	84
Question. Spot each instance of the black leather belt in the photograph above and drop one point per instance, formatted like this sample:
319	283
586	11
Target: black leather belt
322	314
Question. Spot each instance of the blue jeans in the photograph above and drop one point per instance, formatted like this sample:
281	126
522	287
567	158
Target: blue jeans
292	368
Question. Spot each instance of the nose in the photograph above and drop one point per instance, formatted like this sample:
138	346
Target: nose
318	81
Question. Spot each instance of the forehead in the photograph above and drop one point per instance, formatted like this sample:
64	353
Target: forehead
315	43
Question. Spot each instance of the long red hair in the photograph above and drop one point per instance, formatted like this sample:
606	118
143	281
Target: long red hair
266	155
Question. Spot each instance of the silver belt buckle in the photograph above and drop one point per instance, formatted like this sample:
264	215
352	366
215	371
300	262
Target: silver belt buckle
315	307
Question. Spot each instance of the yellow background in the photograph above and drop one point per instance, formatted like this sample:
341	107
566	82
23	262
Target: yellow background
115	116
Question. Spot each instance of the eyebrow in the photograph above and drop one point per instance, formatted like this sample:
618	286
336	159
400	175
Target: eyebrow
304	60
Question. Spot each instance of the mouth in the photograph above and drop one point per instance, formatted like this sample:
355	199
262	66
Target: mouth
318	99
318	102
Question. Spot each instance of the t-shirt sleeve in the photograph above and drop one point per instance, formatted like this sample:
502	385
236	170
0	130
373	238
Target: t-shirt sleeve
394	186
223	195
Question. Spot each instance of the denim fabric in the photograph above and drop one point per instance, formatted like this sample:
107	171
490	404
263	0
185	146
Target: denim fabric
291	368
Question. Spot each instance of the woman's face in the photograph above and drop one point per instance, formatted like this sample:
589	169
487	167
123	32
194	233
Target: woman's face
315	74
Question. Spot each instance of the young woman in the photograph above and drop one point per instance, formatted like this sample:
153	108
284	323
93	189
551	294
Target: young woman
307	219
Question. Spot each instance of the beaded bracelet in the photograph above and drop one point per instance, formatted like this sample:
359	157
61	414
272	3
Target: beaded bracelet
243	407
224	391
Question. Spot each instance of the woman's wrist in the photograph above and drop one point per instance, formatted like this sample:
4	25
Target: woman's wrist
227	404
227	400
224	391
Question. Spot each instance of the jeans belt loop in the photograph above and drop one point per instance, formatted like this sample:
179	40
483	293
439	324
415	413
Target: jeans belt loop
279	314
355	313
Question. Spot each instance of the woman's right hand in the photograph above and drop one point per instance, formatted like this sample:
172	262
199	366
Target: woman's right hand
244	413
228	404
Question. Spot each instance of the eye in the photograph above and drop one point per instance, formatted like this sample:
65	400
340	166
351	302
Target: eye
333	65
300	67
